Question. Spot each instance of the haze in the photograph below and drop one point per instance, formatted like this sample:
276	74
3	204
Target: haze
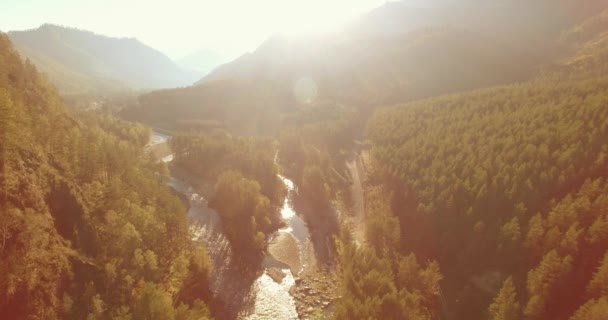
181	27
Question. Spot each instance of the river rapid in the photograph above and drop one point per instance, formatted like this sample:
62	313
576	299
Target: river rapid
243	290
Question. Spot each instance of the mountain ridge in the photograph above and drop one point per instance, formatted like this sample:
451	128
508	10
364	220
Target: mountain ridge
98	58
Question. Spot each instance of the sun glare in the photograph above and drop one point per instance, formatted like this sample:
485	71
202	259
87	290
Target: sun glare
316	16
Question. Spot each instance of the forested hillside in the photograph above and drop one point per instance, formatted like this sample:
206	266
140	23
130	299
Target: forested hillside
79	61
88	228
507	184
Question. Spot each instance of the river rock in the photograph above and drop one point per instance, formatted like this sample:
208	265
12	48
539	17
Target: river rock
293	292
276	274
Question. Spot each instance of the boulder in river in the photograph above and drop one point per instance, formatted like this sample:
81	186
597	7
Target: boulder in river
276	274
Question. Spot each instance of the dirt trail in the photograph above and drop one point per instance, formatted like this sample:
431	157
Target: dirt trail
358	217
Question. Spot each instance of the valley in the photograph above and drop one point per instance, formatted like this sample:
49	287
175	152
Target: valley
427	160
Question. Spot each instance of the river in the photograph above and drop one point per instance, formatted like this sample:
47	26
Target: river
247	293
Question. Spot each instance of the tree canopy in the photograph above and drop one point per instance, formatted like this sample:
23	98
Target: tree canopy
88	229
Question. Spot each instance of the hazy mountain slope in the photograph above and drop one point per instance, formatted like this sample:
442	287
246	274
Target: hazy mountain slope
70	81
383	69
488	26
378	60
70	55
536	20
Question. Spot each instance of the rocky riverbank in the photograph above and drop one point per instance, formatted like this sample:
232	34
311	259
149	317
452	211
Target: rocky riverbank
315	292
315	287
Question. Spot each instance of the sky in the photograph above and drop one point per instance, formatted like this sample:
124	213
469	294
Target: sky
181	27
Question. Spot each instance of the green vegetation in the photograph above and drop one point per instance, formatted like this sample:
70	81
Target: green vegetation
88	230
505	305
239	106
245	212
507	180
247	193
378	282
313	149
208	155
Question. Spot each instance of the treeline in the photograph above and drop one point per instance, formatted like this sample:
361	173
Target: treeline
247	192
88	230
313	148
503	183
239	106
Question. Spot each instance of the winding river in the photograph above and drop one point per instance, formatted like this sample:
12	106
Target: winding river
244	292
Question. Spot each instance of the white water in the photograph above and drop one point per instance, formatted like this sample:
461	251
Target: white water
273	300
287	211
157	138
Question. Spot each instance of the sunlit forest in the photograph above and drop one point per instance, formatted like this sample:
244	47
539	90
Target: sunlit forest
423	160
88	229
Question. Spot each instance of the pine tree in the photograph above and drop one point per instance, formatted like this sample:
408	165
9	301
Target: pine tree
505	305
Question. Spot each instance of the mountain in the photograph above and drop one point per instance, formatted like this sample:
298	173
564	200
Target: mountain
80	61
536	20
399	52
203	61
364	69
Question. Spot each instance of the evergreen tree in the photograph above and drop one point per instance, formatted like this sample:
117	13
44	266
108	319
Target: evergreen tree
505	305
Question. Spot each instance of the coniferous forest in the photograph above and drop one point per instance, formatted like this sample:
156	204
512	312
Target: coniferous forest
88	229
505	188
430	161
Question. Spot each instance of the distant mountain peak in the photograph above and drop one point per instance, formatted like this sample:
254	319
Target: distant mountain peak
80	61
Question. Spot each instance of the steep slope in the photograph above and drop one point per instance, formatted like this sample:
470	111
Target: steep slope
536	20
588	43
507	181
372	70
71	56
70	81
449	31
88	228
